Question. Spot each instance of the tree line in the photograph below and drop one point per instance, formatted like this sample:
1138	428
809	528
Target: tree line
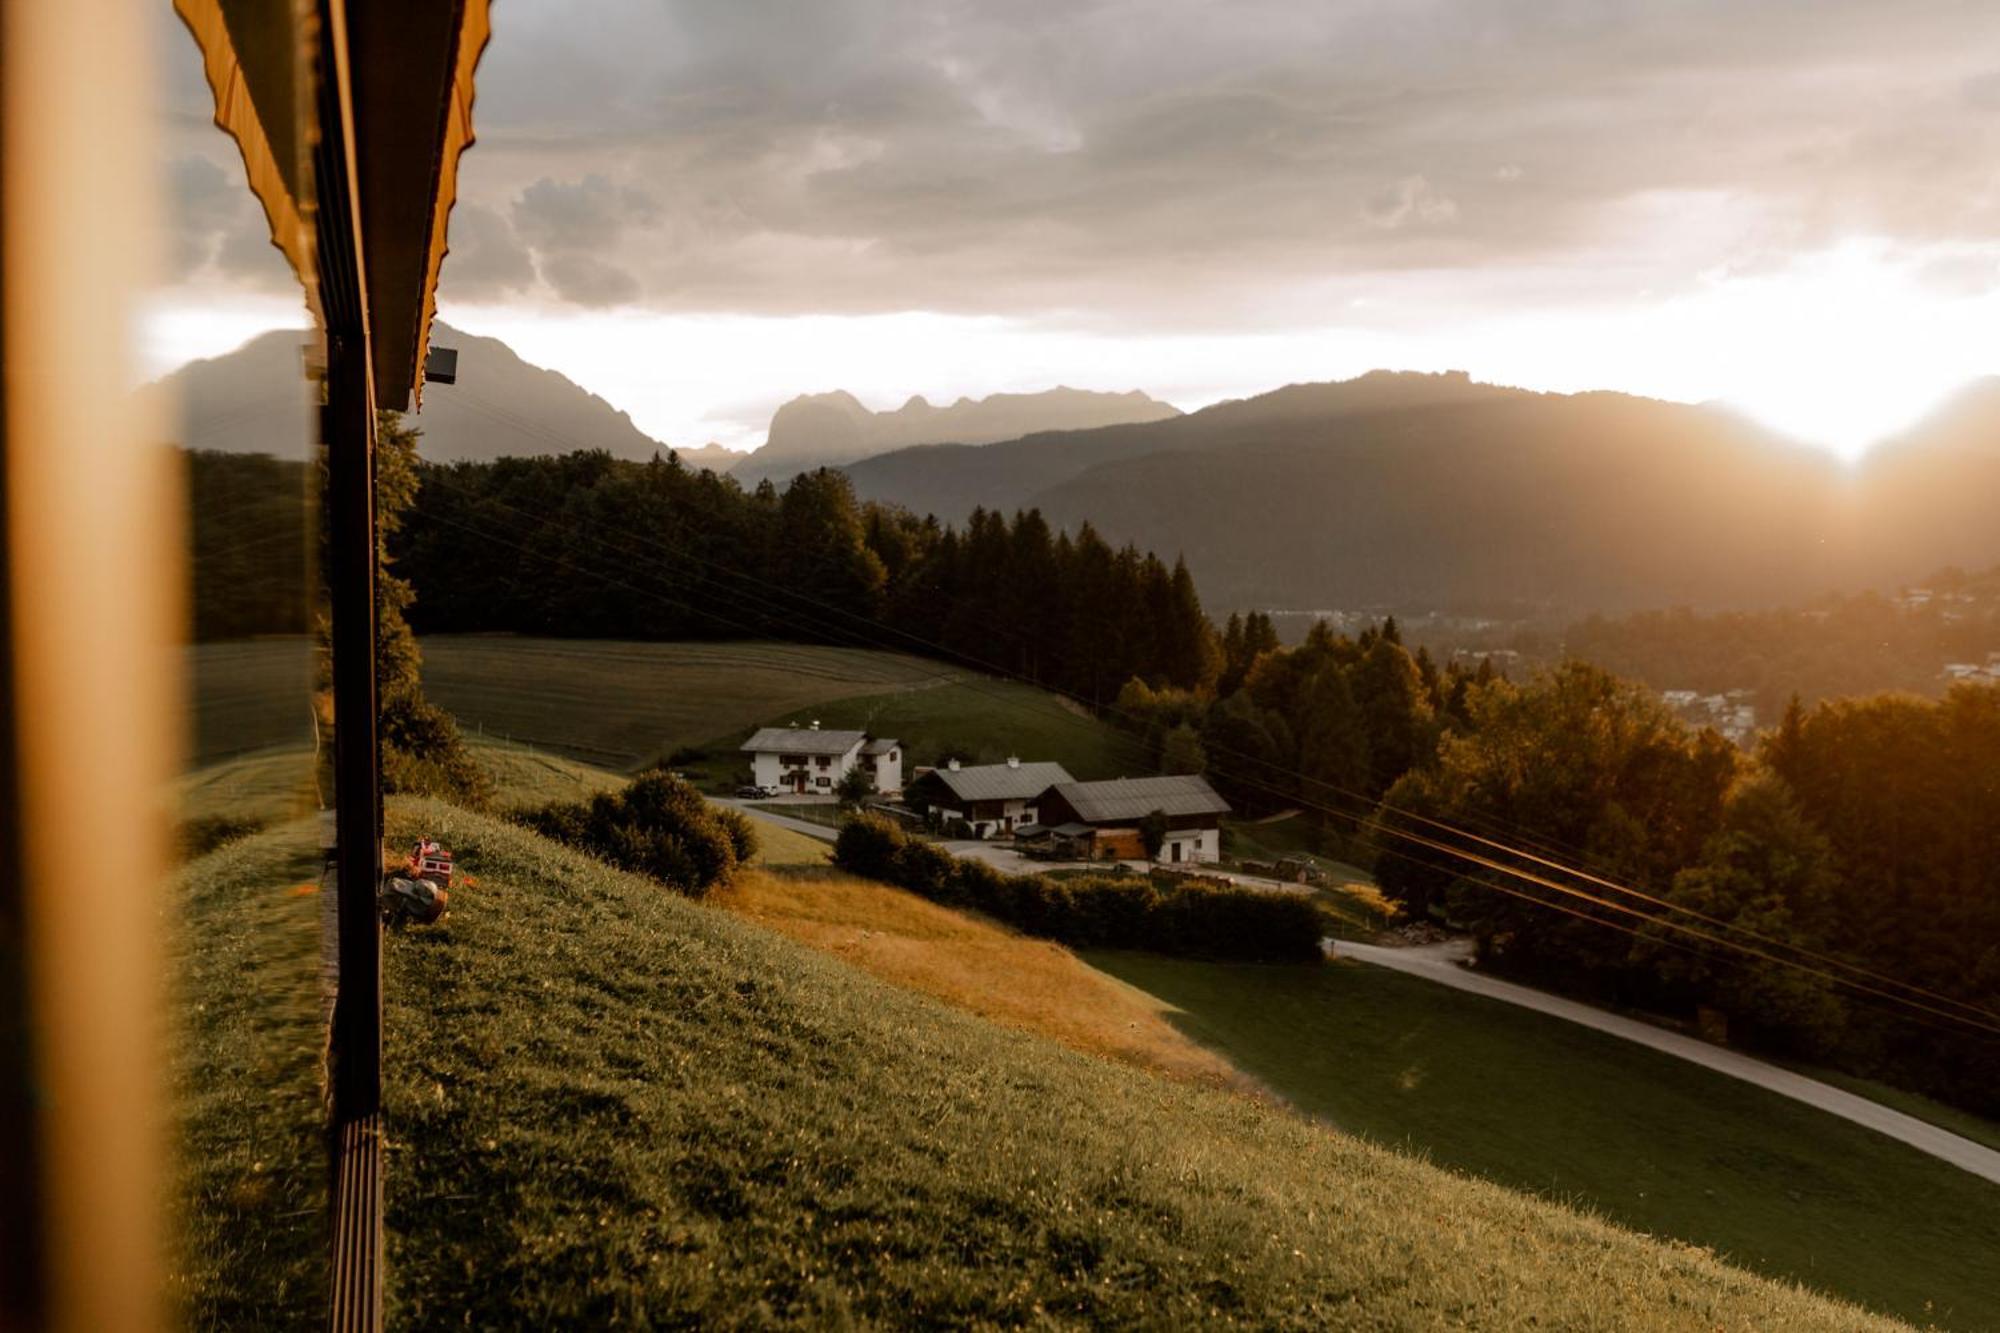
591	546
1833	896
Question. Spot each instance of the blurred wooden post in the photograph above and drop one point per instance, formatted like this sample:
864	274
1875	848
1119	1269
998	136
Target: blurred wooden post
94	565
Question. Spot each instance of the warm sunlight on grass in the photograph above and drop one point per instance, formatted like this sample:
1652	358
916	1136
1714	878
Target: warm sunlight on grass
1029	984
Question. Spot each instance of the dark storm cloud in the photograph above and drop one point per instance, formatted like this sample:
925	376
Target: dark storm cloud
1180	159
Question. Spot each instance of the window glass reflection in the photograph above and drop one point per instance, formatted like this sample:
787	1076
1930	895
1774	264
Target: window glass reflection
248	965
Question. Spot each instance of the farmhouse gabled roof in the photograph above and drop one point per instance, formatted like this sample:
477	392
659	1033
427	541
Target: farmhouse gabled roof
880	745
803	740
1135	798
1001	782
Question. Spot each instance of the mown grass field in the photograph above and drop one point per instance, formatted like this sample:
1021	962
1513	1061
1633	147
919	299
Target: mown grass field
614	1106
983	721
248	695
624	706
1654	1143
628	705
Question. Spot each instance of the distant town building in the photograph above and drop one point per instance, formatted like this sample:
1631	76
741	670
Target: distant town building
1732	713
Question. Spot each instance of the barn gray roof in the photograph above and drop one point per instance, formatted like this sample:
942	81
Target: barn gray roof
880	745
1135	798
803	740
1002	782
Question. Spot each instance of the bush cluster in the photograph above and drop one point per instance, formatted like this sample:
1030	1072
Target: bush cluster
658	826
1106	912
202	834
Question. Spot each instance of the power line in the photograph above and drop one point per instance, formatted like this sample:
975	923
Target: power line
1473	858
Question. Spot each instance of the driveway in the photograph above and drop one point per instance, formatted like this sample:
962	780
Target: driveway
1444	964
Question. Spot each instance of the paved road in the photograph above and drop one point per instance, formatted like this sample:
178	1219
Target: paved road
1442	963
805	826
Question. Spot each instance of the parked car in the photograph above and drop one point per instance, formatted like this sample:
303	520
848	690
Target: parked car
752	792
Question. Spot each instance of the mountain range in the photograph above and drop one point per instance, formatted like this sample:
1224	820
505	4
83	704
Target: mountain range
1435	492
834	429
1392	491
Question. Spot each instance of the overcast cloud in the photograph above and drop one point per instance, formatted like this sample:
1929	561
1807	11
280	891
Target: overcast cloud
1203	163
702	206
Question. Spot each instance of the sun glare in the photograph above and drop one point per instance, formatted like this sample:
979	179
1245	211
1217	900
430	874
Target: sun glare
1846	348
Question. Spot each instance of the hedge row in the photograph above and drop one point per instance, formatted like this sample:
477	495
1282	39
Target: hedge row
1111	913
657	825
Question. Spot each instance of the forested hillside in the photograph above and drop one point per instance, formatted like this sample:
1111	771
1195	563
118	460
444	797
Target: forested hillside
1418	493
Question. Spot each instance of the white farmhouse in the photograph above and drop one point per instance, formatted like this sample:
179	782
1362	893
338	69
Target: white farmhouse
811	761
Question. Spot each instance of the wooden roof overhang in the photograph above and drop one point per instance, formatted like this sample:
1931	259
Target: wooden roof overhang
410	80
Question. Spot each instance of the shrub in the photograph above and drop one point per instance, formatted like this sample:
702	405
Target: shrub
1196	919
867	846
854	788
657	825
204	833
423	753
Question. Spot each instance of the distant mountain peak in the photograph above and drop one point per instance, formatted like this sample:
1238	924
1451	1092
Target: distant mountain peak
500	405
834	429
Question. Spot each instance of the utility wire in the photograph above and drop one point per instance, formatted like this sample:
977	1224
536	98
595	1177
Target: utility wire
1432	844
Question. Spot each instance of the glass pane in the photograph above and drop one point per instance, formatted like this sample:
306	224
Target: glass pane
228	336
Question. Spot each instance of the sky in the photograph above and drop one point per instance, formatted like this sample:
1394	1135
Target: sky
701	208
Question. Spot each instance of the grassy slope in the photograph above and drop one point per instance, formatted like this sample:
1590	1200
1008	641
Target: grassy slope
623	705
524	776
271	786
1655	1143
250	1189
782	847
612	1105
975	965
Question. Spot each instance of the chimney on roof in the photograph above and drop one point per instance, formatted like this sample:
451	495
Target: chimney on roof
952	764
793	725
815	724
1013	761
